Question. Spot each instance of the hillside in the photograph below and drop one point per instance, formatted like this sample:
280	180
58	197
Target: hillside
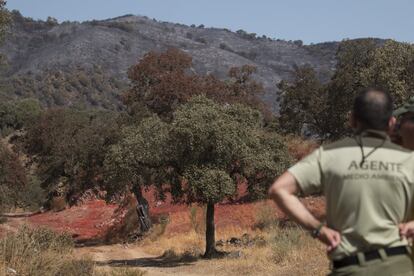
86	63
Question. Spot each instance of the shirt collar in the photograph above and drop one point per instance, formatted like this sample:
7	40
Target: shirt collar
374	134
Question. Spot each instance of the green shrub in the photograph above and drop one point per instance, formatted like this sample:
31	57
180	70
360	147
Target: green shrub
12	178
16	188
71	144
33	195
15	115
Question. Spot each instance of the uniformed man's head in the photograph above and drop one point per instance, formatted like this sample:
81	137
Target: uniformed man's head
373	110
405	127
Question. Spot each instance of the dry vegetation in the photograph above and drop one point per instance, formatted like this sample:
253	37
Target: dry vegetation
269	249
41	252
299	148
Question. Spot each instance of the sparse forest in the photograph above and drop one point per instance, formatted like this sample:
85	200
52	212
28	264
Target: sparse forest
189	138
223	125
321	108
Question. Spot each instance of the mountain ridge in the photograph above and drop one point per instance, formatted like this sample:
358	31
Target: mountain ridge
86	63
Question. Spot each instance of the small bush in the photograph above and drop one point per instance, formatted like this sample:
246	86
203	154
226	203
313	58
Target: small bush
164	221
170	254
123	26
58	203
249	55
201	40
284	241
159	229
265	217
41	252
74	267
193	218
33	195
13	179
225	47
190	255
122	272
246	35
298	43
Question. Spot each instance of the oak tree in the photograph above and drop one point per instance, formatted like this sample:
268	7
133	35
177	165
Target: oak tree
200	156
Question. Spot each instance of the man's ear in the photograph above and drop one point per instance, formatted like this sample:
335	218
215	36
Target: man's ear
391	123
351	120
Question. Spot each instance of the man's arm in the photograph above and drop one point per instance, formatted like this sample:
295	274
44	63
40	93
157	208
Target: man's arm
283	192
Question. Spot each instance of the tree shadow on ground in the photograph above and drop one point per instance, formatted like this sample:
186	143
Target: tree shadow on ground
148	262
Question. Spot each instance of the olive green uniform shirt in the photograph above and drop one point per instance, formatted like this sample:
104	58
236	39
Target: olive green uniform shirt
366	201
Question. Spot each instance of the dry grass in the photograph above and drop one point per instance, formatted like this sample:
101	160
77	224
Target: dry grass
280	248
119	272
288	251
41	252
306	257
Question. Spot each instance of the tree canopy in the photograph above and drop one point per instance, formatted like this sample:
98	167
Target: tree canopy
323	108
70	146
203	154
14	115
12	177
162	81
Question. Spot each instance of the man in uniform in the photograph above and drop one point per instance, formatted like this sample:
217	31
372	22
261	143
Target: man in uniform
405	126
404	131
368	182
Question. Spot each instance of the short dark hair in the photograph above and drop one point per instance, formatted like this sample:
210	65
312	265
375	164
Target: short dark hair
373	108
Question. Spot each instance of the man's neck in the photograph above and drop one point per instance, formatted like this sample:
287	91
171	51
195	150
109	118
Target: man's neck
372	133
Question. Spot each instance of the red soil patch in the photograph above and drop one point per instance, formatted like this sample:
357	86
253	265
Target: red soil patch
83	222
236	215
228	214
96	220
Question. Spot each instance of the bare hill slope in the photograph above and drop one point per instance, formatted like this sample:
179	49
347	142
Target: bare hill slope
86	63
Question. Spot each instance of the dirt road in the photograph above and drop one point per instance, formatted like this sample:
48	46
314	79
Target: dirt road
118	255
121	255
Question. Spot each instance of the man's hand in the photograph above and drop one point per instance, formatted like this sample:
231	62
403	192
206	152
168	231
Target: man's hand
330	237
283	192
407	230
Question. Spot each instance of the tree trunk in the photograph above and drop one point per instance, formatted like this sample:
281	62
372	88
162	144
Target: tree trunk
210	232
142	209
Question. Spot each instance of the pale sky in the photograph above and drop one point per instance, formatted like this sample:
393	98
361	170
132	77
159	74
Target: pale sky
308	20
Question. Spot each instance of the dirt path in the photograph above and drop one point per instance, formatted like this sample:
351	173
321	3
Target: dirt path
118	255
